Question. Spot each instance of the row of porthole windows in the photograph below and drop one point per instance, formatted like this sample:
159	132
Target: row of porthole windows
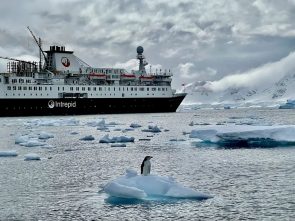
35	88
90	94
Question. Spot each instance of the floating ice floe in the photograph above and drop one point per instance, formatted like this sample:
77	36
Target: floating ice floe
289	105
52	122
118	145
153	129
121	139
44	135
8	153
32	156
134	125
135	186
175	140
87	138
246	136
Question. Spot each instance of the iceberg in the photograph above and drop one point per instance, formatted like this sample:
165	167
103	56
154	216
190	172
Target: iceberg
246	135
289	105
121	139
135	186
8	153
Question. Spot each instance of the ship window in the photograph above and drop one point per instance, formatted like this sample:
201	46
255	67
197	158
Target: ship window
25	88
127	88
14	88
30	88
159	89
45	88
163	89
119	89
50	88
89	88
58	88
71	88
141	88
19	88
83	88
40	88
63	88
9	88
0	79
114	89
135	88
94	88
166	88
147	89
154	89
100	89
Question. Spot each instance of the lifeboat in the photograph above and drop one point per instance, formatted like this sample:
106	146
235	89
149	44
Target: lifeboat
128	76
97	76
146	78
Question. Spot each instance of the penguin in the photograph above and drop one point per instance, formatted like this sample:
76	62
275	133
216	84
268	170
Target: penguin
146	166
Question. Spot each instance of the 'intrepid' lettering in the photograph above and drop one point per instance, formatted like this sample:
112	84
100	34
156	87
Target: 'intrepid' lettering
53	104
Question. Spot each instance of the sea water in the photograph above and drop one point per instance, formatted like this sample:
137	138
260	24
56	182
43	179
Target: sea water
67	182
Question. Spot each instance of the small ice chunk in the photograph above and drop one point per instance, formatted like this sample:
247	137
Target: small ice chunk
44	135
88	138
118	145
121	139
8	153
32	156
22	139
153	129
134	125
32	143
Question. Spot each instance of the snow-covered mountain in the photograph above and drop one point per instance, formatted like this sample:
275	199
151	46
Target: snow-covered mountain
203	92
270	84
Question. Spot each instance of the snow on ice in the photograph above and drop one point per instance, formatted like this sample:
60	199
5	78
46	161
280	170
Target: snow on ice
142	187
245	135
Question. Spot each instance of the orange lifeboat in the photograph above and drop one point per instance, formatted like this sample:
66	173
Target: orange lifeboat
97	76
146	78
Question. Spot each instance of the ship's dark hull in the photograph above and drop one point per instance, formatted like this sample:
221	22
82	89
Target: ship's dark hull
80	106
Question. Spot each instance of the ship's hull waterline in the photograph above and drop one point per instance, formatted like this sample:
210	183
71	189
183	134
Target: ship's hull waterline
82	106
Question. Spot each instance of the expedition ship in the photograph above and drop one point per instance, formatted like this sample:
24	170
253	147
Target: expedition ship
65	85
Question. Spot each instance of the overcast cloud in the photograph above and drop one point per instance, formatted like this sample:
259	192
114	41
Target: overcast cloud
197	39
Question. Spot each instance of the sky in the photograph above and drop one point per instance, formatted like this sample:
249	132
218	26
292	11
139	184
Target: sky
216	40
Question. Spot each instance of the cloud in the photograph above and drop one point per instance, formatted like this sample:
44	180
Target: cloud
199	39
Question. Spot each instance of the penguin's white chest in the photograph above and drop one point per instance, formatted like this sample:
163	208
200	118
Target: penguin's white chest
146	168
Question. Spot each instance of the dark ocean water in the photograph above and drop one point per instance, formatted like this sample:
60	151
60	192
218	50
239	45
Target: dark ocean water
246	183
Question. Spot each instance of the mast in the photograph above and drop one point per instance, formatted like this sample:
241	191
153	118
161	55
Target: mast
39	44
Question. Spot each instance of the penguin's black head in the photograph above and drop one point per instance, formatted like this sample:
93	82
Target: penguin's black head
147	158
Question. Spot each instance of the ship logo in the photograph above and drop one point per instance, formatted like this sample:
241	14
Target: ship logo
51	104
65	61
